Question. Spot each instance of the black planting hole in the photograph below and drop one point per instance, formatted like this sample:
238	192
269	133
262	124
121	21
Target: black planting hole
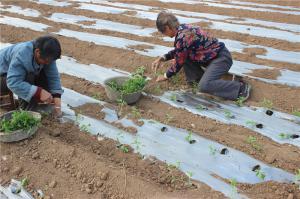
164	129
192	141
294	136
119	145
260	126
224	151
178	100
256	167
269	112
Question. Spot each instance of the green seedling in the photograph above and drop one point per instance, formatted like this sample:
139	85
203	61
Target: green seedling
189	175
253	142
233	185
24	182
168	118
194	87
251	123
228	114
267	104
212	150
174	166
297	177
124	149
296	113
173	97
175	79
140	71
121	104
285	136
260	174
19	120
136	83
240	101
135	112
200	107
85	128
97	96
137	144
188	138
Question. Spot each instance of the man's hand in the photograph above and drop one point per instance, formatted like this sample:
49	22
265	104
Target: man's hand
161	78
46	97
156	63
57	106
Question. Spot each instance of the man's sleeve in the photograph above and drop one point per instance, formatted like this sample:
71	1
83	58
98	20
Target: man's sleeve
16	75
53	79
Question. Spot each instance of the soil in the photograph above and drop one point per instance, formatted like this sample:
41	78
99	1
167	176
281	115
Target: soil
66	163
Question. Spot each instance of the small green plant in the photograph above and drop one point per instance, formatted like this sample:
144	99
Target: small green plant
253	142
85	128
173	97
228	114
251	123
240	101
124	148
19	120
188	138
168	118
24	182
296	113
135	112
260	174
285	136
297	177
135	83
212	150
174	166
137	144
121	104
97	96
175	79
268	104
233	185
189	175
200	107
140	71
194	87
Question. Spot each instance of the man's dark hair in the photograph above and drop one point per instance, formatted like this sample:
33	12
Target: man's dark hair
49	47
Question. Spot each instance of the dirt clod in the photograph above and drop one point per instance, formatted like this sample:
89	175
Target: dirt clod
17	170
53	184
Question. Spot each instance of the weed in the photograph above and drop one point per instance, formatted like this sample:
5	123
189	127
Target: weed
168	118
121	104
228	114
240	101
268	104
188	137
140	71
19	120
253	142
135	112
212	150
251	123
173	98
260	174
124	148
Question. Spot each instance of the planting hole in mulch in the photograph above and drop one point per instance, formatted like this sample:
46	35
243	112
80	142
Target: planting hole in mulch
192	141
164	129
179	100
269	112
295	136
224	151
256	167
260	126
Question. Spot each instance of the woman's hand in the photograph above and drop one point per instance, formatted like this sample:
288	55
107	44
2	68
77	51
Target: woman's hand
157	63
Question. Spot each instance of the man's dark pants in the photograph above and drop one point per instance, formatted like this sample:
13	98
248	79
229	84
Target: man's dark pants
38	80
210	80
